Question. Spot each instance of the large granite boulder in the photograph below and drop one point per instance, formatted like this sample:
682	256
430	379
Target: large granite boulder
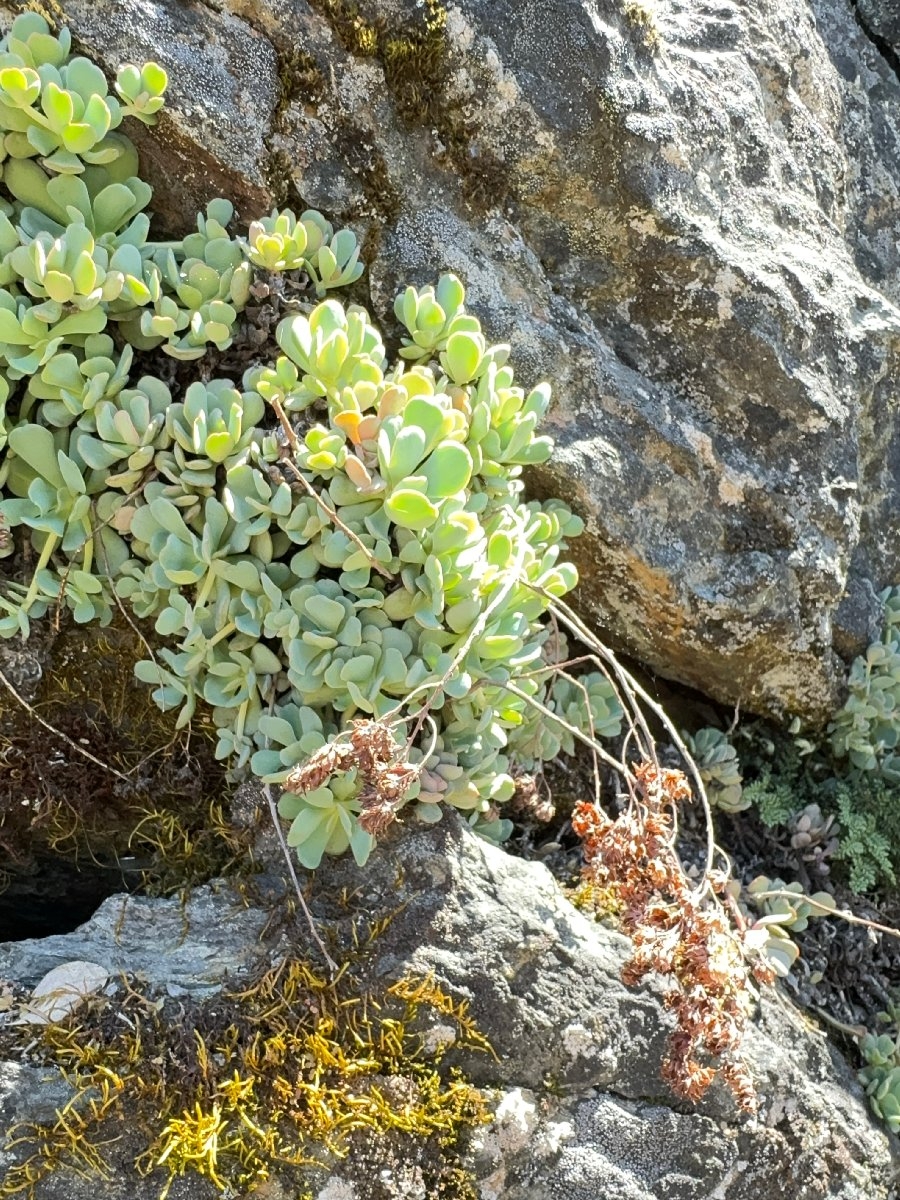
683	214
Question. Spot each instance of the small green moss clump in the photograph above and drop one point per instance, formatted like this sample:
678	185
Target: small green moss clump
149	794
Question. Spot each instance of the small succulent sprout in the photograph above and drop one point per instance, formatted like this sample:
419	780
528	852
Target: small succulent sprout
473	780
503	424
334	348
277	242
319	230
31	334
179	557
429	313
253	500
203	288
112	211
335	264
65	119
233	678
327	619
57	508
287	738
202	312
83	593
252	605
31	41
74	382
881	1075
141	89
782	909
588	702
490	826
866	730
279	385
775	945
814	836
215	424
719	768
211	242
323	452
71	269
172	687
326	821
880	1050
421	466
130	430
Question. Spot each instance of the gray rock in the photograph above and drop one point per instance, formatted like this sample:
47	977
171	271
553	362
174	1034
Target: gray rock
881	20
545	989
581	1110
191	946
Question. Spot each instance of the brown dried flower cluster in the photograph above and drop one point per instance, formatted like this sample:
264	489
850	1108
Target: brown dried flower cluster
678	930
386	778
528	800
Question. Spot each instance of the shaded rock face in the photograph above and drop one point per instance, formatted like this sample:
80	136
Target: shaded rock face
881	21
683	213
580	1110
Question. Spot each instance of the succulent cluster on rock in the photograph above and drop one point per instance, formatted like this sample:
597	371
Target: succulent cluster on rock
330	538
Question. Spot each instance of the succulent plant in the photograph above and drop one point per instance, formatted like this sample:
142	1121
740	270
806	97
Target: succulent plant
334	349
140	90
111	211
783	910
881	1074
289	736
73	382
280	384
56	107
374	558
204	284
214	425
866	730
781	916
431	315
324	821
30	334
281	242
130	431
815	837
277	242
720	769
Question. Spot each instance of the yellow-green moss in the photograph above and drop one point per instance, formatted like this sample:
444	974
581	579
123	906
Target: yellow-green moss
415	58
642	18
290	1073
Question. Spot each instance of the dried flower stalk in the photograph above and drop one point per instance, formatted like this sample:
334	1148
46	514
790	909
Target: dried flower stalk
677	931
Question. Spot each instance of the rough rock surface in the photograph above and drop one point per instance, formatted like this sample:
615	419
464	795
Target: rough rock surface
132	933
581	1110
881	21
683	213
